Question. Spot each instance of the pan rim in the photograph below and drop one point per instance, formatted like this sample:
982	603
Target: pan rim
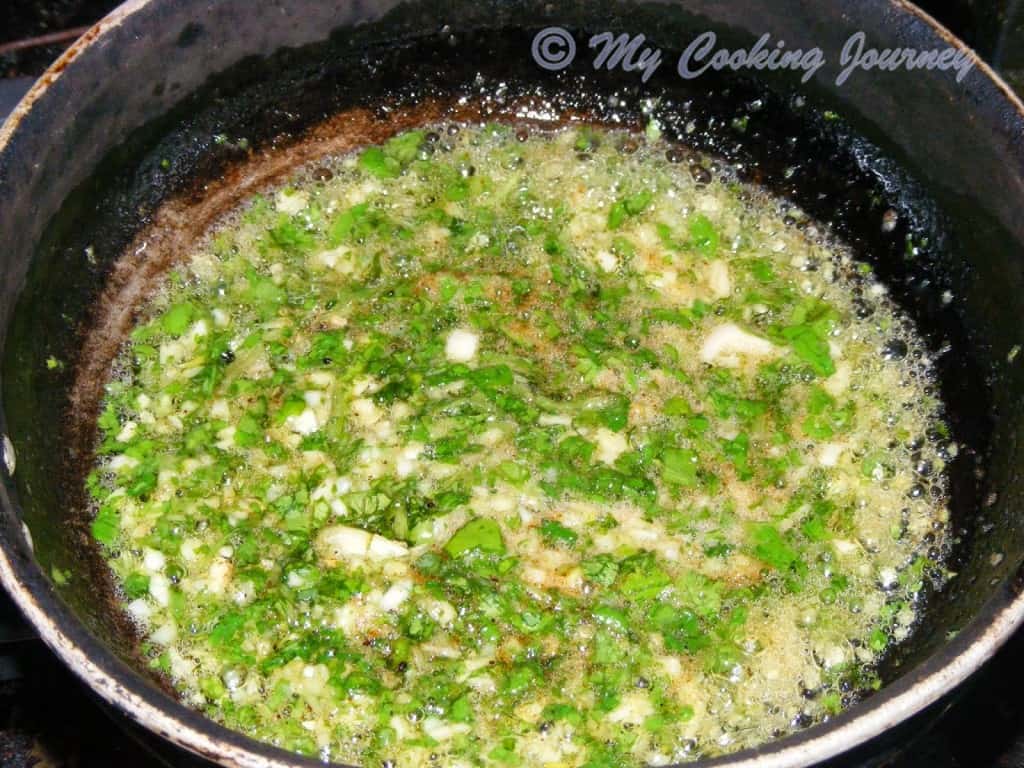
122	687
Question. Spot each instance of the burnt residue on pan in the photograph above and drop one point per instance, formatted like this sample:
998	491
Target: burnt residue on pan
155	196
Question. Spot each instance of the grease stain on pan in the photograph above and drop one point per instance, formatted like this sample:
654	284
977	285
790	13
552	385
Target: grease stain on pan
179	223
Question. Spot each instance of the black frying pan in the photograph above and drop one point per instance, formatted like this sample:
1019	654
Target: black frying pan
109	167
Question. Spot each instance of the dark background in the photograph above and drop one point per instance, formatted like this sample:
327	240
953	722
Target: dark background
995	28
49	720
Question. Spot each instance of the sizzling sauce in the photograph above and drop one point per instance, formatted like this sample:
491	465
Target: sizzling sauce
488	447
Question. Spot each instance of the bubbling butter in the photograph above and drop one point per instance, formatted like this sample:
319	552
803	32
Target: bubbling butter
497	448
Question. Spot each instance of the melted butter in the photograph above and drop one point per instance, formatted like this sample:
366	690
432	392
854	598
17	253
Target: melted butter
531	449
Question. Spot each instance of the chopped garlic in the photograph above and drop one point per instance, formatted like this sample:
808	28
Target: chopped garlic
291	202
727	344
305	423
461	346
337	542
397	594
718	279
610	445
